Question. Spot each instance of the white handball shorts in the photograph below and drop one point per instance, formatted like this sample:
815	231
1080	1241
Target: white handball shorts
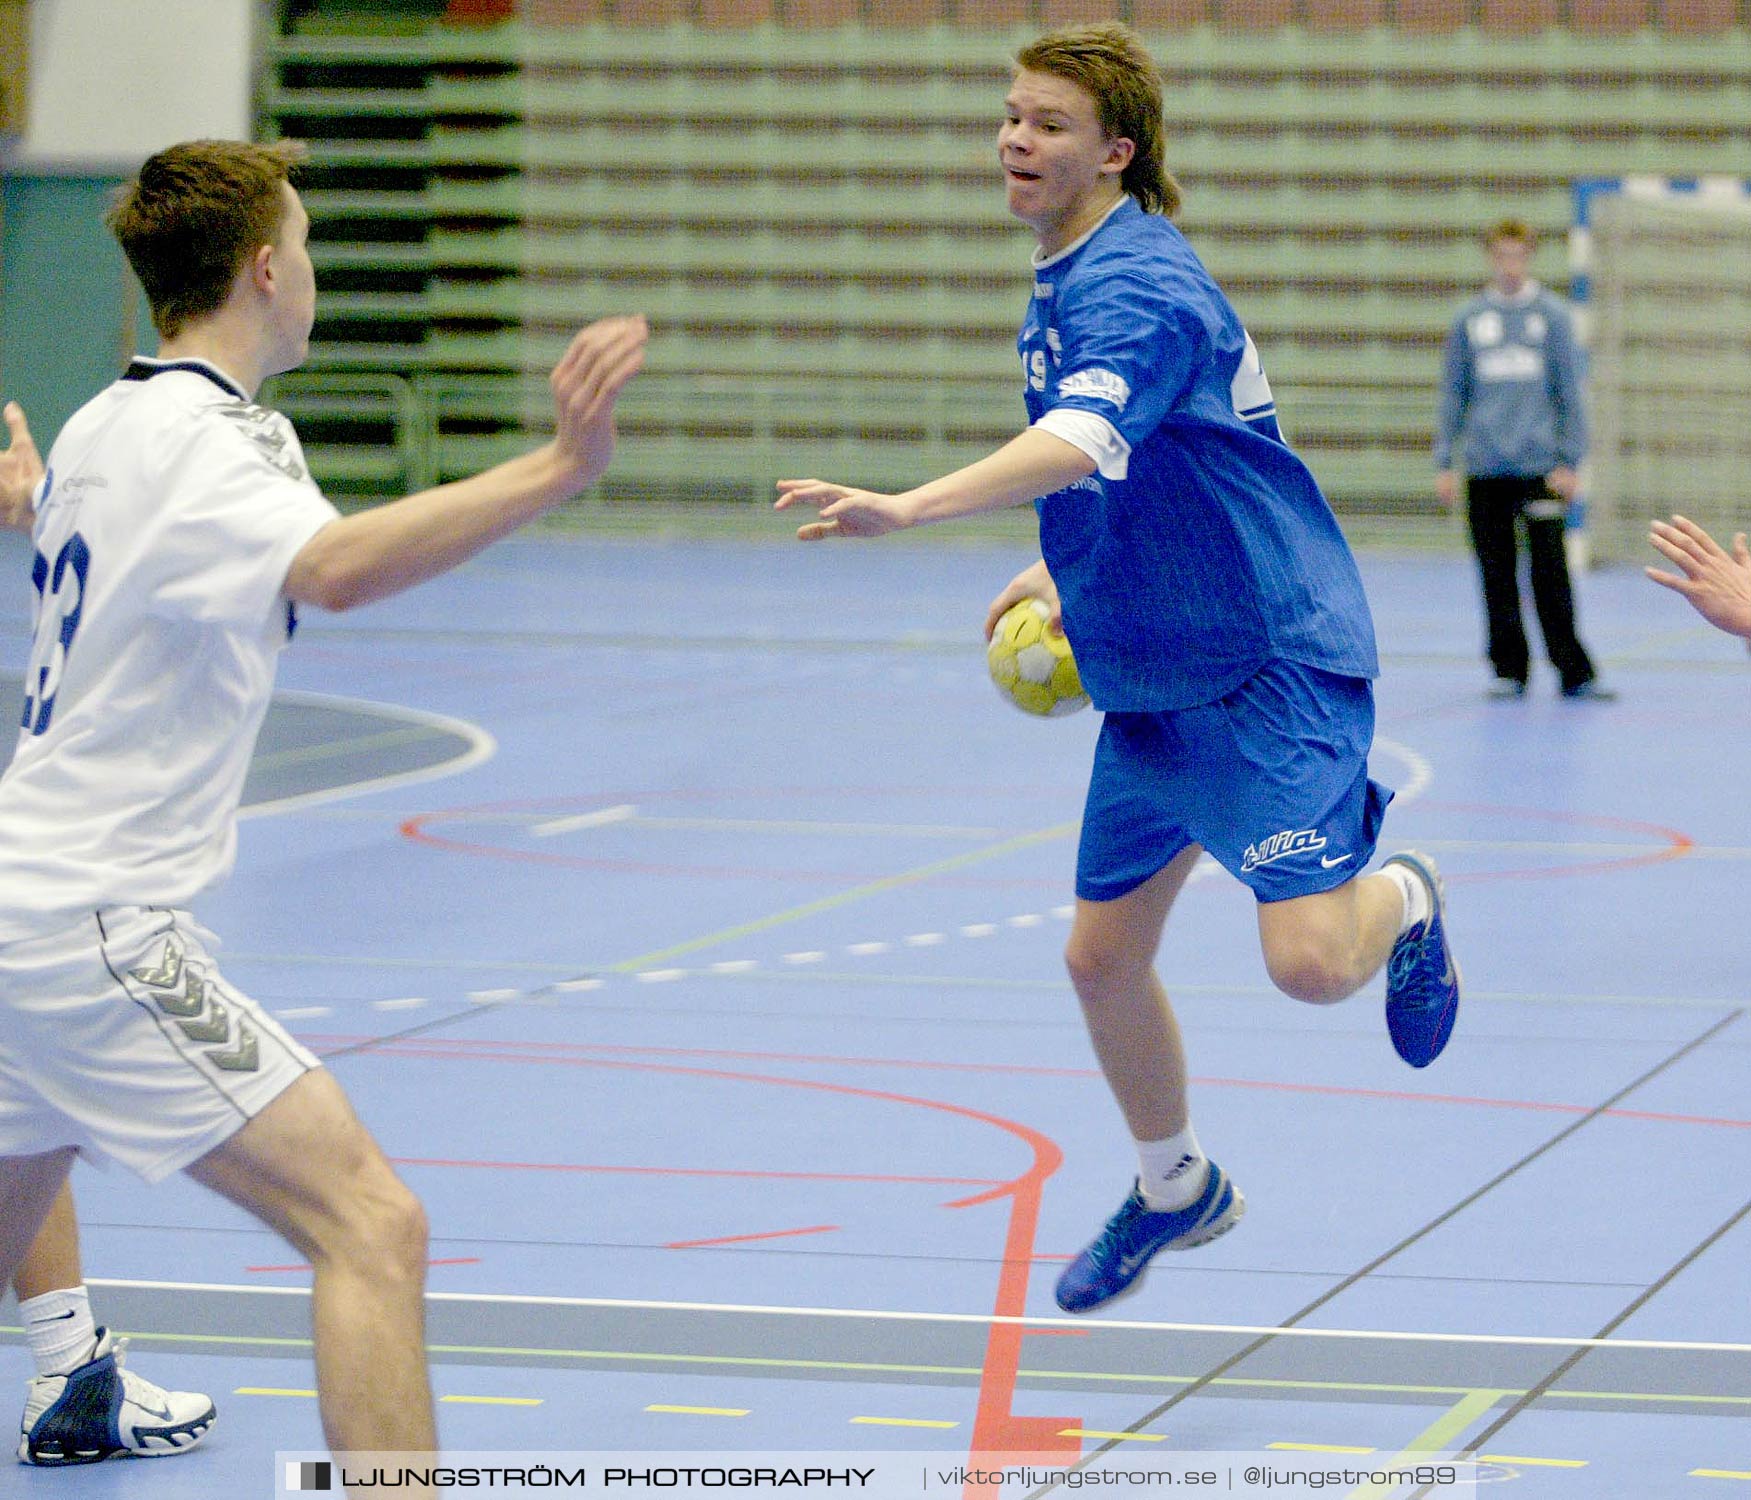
120	1037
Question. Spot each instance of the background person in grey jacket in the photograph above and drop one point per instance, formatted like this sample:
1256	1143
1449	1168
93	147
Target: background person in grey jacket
1511	398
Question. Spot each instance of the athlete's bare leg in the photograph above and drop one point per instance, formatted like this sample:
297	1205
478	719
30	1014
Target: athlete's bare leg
51	1264
308	1168
1111	957
1325	947
28	1189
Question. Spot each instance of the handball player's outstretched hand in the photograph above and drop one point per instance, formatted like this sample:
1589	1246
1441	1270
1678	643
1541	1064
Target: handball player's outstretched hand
1717	583
586	383
21	471
843	510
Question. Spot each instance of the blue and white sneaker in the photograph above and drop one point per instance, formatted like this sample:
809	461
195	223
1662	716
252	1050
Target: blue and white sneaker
1422	978
104	1411
1109	1267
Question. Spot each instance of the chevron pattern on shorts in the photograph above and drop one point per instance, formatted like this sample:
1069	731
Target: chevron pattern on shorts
178	990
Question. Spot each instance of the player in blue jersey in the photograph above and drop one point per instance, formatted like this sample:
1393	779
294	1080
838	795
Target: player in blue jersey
1216	615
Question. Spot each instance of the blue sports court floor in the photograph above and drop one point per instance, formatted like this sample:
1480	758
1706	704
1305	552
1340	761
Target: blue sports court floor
685	918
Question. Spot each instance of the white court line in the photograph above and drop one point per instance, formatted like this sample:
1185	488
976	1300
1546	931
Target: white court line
1422	772
891	1316
481	746
598	819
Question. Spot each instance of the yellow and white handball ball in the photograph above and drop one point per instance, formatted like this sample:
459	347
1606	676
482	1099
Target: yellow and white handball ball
1032	666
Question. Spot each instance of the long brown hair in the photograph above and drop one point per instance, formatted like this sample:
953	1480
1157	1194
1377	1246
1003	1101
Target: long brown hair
1109	62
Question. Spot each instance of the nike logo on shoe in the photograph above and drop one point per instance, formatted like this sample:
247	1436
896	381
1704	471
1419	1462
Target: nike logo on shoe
1130	1265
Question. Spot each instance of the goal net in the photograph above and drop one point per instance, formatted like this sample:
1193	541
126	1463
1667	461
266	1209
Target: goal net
1670	304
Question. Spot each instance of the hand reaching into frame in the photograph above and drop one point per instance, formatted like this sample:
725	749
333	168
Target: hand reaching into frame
1717	583
21	471
843	510
586	383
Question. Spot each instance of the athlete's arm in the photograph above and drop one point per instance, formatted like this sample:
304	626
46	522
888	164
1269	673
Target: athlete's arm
1452	408
379	552
1032	464
21	471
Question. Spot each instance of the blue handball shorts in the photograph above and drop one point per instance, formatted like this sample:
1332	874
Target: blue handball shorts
1272	781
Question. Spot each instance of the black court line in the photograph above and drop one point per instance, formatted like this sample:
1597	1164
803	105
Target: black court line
1542	1390
1295	1318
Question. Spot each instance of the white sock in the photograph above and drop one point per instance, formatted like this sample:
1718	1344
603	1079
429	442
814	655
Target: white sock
1173	1171
1417	906
59	1330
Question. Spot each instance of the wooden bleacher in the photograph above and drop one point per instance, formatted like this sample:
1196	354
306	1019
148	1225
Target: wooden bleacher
811	218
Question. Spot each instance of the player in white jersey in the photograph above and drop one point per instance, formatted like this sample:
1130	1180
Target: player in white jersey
176	533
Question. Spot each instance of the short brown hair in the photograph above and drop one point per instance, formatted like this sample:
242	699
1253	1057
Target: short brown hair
193	217
1109	62
1511	229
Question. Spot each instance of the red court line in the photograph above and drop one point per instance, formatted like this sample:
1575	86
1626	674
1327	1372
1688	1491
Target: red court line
742	1239
1677	844
736	1172
1481	1101
814	1059
512	1051
997	1430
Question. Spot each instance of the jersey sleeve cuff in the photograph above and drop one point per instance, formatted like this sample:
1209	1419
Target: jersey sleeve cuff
1093	435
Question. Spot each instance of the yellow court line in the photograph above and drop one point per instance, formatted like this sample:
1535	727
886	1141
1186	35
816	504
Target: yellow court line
899	1422
701	1411
268	1390
495	1400
1543	1463
1320	1448
1126	1437
1438	1437
1720	1473
845	898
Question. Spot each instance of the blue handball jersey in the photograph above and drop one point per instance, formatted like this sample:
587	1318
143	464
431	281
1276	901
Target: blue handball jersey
1202	548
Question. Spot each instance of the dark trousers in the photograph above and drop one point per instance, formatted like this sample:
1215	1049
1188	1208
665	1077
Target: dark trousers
1494	505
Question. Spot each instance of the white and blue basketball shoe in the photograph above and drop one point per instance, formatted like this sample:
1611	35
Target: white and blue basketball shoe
102	1410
